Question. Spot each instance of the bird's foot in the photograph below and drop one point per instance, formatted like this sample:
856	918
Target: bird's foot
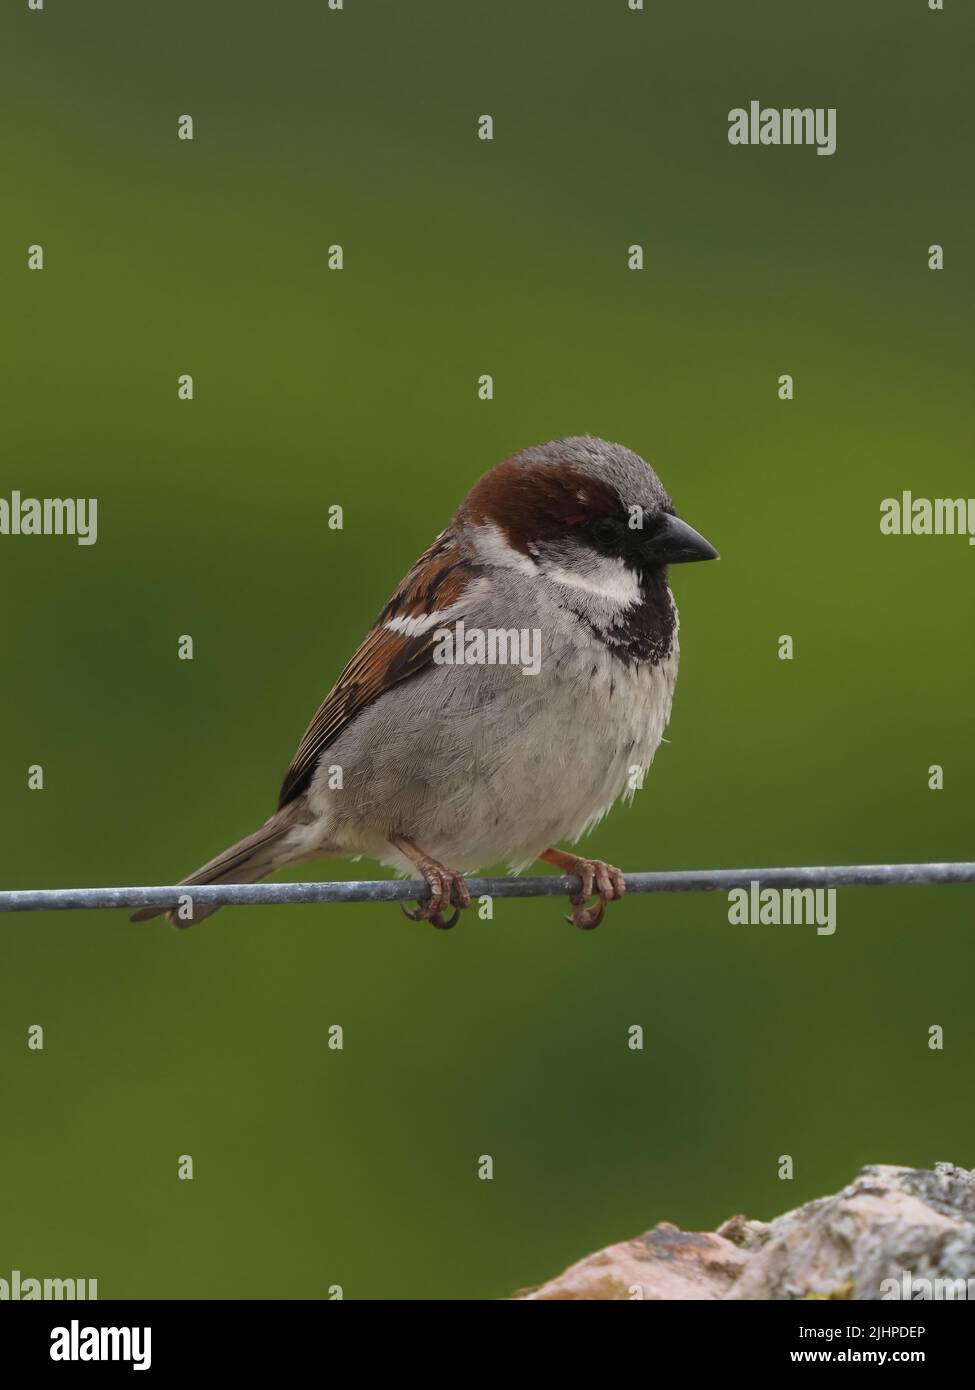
447	888
599	878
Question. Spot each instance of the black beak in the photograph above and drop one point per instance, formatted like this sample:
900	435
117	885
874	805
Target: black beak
673	542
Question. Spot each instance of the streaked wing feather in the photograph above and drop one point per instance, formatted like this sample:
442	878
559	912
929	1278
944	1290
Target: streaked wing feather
385	658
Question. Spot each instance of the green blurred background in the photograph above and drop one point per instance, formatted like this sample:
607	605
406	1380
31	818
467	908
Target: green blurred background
358	1168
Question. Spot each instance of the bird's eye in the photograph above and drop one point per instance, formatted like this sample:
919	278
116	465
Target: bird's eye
604	531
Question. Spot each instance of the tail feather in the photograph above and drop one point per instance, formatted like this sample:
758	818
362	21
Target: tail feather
248	861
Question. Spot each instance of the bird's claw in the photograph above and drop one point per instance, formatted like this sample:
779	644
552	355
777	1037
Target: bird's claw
587	917
606	881
421	913
446	888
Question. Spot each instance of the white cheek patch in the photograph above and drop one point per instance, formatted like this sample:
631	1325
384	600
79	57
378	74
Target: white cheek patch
493	549
602	576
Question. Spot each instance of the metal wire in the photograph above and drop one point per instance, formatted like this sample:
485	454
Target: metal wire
398	890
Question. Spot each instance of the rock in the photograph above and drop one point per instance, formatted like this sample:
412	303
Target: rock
665	1263
889	1222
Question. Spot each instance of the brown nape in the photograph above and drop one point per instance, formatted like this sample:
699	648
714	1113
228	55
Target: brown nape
538	503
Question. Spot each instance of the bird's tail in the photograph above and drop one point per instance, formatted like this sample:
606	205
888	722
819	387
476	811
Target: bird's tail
248	861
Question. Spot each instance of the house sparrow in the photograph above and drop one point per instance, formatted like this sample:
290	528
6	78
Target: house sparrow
434	748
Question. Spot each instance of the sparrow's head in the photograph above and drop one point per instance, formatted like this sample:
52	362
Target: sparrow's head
581	511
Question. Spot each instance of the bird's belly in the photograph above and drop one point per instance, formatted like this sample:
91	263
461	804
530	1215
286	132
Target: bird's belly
510	764
592	741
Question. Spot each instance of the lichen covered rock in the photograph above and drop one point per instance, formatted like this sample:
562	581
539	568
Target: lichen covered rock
887	1228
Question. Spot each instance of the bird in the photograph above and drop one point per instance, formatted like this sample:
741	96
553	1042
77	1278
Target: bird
513	688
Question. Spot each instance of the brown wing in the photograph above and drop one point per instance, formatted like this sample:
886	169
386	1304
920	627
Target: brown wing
386	657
